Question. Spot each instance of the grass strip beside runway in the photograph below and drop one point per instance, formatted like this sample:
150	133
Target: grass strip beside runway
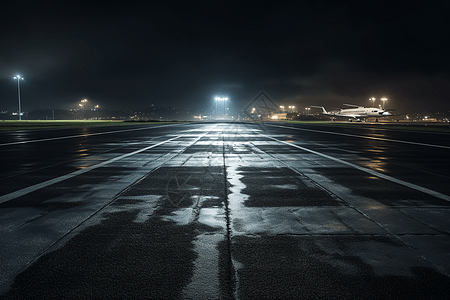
10	125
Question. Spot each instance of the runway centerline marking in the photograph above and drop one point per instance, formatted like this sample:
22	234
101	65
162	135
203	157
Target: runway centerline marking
83	135
362	136
47	183
369	171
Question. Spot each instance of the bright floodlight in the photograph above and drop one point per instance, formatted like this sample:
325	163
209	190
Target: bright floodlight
221	98
384	104
18	93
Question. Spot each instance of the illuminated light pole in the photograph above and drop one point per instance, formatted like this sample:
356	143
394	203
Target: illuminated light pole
307	110
384	104
282	108
96	109
83	105
18	93
223	100
372	99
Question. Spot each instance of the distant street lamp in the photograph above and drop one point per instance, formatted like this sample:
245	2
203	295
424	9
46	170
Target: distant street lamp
307	110
83	105
372	99
18	93
282	108
384	104
96	109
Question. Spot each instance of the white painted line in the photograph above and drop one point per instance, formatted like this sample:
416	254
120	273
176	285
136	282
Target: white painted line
362	136
369	171
83	135
47	183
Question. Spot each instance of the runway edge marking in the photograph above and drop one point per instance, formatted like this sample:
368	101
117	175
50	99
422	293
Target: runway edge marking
362	136
83	135
374	173
47	183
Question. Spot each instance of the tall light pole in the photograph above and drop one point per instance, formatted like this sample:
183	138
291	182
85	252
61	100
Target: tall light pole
384	104
223	100
373	99
83	104
18	93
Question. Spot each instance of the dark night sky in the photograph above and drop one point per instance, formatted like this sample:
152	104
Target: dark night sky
121	54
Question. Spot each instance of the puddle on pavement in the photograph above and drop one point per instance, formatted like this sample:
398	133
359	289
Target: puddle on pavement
278	187
205	281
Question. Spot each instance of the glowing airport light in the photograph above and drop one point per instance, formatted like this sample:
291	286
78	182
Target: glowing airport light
18	93
222	100
372	99
83	105
384	100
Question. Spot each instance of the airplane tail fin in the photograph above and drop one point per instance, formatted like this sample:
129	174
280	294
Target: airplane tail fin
323	108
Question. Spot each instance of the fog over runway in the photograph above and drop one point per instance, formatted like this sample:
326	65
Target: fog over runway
225	211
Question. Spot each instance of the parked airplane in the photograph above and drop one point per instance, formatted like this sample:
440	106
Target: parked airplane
356	113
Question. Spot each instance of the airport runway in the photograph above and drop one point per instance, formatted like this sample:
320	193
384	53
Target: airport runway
224	211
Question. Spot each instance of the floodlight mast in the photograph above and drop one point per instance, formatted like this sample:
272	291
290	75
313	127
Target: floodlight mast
222	99
83	105
18	93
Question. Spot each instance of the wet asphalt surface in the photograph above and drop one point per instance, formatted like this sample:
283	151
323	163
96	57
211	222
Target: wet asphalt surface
224	211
